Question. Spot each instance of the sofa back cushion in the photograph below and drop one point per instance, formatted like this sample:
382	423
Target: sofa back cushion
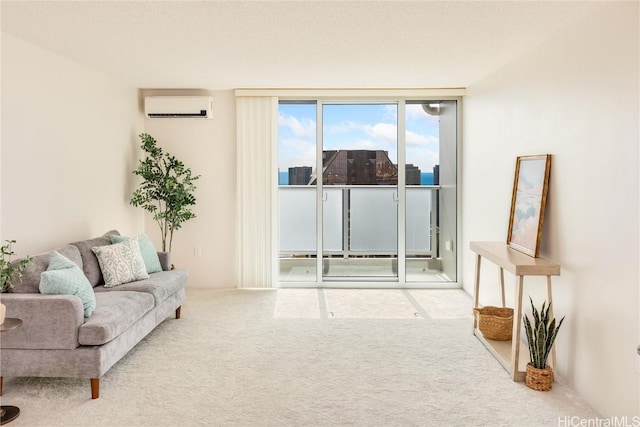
90	264
30	281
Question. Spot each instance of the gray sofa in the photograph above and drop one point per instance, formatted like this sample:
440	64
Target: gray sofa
56	340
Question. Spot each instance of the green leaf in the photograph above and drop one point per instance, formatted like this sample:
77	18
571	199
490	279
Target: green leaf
529	332
9	271
534	311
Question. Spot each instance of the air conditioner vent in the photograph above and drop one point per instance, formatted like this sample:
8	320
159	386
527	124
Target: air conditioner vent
156	107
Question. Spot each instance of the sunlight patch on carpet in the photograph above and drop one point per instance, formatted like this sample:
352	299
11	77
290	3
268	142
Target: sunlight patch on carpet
444	303
368	304
297	304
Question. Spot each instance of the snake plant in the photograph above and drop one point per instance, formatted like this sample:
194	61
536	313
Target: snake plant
541	335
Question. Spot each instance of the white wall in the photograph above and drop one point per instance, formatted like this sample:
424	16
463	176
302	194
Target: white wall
68	148
575	97
207	147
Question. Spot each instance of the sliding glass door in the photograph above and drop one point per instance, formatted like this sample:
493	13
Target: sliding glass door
360	191
367	192
297	216
431	191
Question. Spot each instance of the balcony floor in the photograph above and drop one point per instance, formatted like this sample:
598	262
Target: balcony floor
304	269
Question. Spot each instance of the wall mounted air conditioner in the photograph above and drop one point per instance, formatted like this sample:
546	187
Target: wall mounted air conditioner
178	107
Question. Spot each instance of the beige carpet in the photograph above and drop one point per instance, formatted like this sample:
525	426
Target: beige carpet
303	357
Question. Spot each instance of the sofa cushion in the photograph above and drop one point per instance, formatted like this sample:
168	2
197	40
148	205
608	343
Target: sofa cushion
30	281
90	264
121	262
148	251
64	277
115	312
161	285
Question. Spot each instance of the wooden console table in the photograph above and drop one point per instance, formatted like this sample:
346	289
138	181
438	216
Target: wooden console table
521	265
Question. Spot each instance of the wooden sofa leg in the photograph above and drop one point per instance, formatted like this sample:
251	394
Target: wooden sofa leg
178	312
95	388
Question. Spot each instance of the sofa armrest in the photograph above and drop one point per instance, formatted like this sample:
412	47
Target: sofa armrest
165	260
48	321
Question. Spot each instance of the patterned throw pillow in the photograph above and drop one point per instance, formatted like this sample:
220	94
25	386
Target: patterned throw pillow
148	251
121	263
64	277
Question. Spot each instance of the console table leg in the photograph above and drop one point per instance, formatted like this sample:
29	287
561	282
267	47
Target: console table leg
476	288
502	285
515	335
549	297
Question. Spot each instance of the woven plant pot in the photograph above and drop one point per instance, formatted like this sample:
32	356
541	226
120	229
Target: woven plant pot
538	379
495	323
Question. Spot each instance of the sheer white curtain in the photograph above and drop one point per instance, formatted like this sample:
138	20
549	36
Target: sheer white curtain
257	131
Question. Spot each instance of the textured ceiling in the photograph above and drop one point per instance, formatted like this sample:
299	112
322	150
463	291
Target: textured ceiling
303	44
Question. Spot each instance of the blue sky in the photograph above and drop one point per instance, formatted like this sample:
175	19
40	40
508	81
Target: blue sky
360	126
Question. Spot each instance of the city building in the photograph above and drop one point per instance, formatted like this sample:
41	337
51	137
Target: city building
300	175
413	176
357	167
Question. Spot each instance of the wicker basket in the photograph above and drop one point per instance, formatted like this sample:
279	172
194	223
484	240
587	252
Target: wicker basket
538	379
495	323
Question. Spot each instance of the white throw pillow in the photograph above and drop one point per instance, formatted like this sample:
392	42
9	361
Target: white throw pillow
121	263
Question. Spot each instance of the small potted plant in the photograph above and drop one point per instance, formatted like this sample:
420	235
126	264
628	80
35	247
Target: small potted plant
9	271
540	337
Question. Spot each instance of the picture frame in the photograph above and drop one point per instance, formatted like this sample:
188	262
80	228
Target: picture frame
528	202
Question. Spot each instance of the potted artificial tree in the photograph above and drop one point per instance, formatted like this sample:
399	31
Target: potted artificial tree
540	337
9	271
166	191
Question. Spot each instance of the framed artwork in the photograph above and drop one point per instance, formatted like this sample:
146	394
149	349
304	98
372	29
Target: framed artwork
530	188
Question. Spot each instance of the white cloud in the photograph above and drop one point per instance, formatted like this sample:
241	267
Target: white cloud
423	158
389	132
382	130
302	129
415	112
391	112
296	152
344	127
415	139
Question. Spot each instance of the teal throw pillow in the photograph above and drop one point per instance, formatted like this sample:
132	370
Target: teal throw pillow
148	251
65	277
